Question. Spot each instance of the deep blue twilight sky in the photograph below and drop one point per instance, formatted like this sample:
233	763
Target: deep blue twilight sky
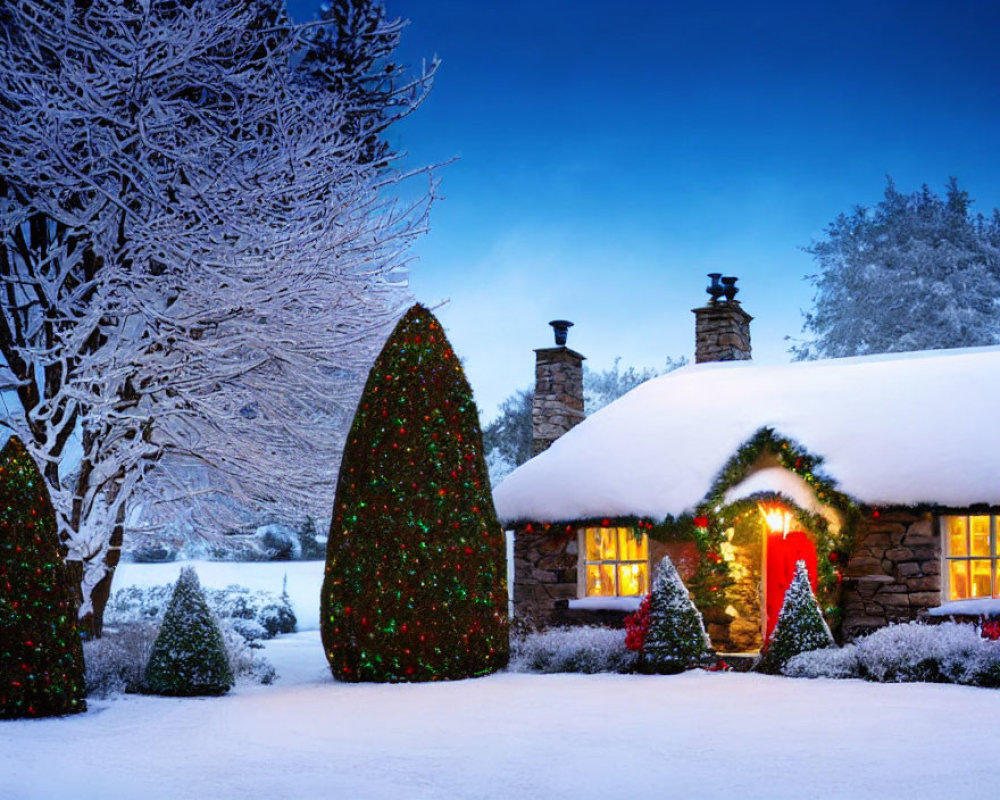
612	154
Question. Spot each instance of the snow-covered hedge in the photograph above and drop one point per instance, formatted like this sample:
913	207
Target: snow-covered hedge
947	653
116	663
575	649
255	615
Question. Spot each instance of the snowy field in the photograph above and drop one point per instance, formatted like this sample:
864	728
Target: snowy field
304	580
696	735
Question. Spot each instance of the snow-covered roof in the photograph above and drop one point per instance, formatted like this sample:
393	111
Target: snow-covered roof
900	429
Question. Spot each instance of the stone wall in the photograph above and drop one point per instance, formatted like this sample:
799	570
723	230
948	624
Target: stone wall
894	574
721	332
546	563
558	401
545	572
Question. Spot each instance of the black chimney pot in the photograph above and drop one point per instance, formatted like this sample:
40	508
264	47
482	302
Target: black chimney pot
715	289
729	287
561	327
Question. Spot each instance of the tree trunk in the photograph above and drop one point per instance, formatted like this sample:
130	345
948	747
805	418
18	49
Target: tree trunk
93	623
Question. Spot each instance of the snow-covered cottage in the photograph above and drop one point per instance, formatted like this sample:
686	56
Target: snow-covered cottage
882	472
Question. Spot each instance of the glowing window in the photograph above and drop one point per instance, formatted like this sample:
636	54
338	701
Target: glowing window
616	562
971	558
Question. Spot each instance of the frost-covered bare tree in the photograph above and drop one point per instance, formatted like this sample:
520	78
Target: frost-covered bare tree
198	257
915	272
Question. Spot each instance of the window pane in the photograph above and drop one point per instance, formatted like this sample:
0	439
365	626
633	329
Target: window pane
958	579
996	579
956	536
600	544
981	578
632	579
600	580
630	547
980	535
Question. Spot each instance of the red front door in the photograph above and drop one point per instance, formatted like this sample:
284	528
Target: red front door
782	554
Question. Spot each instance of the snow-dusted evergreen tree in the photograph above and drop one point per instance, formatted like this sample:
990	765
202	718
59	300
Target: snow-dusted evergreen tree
800	625
189	654
676	639
198	258
915	272
507	438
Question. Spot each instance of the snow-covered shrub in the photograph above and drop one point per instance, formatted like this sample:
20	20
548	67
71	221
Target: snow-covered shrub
278	542
116	662
272	613
800	625
312	545
676	638
585	649
244	660
827	662
947	653
189	655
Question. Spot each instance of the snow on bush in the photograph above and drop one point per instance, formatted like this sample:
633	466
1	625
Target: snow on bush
586	649
255	614
676	638
947	653
189	657
116	663
829	662
800	625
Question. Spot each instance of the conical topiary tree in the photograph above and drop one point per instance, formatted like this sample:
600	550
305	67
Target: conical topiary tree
415	584
41	656
189	655
676	639
800	625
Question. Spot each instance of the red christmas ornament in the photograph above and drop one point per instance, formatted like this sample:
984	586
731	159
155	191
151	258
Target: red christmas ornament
834	556
701	522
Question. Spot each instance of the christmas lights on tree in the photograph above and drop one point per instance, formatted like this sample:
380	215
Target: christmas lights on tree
41	656
415	583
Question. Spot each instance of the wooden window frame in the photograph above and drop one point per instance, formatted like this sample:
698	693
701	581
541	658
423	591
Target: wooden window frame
947	558
583	563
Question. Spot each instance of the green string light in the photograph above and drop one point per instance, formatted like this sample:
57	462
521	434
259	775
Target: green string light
415	583
41	656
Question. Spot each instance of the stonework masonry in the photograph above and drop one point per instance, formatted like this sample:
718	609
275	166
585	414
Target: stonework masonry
894	574
722	332
558	402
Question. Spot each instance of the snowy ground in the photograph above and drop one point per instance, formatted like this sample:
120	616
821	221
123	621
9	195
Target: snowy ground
302	579
515	736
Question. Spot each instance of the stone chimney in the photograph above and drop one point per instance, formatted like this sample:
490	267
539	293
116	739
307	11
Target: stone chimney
558	402
721	328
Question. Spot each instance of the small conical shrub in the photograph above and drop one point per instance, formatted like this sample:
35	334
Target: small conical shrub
415	585
41	656
800	625
189	655
676	639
